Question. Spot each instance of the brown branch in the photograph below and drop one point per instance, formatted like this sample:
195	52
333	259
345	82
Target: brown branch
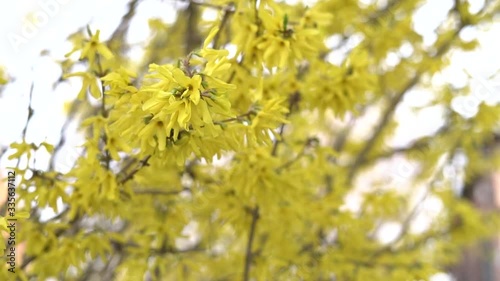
392	108
237	118
228	11
159	192
340	141
248	253
293	101
380	127
3	149
30	111
308	143
416	146
192	38
406	223
120	246
30	114
388	9
142	163
119	33
58	233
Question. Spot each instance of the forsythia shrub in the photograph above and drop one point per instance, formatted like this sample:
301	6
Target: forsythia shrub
224	155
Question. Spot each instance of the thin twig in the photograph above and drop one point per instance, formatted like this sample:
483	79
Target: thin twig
57	233
417	146
30	114
392	108
119	33
228	10
249	254
159	192
237	118
389	112
292	103
308	143
142	163
192	36
30	111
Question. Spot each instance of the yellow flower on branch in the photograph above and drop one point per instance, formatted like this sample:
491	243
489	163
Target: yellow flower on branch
22	148
115	144
119	82
89	82
283	42
92	48
190	86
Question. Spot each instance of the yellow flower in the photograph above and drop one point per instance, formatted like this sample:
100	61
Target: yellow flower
97	123
315	17
22	148
115	144
210	37
157	102
89	82
276	50
216	60
245	32
190	85
119	82
93	47
156	129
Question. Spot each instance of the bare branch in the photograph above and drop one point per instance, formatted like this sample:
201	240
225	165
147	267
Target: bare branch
248	253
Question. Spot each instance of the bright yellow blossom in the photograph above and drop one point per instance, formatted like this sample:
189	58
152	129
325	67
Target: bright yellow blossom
92	48
89	83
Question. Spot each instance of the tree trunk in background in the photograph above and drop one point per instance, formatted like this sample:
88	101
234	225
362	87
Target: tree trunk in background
482	261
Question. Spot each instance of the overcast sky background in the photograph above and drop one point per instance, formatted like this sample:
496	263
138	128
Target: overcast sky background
22	60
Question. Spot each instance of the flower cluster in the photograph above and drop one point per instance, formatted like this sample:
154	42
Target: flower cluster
278	41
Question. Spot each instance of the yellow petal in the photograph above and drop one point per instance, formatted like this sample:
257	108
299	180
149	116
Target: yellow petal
103	50
94	89
180	77
210	37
